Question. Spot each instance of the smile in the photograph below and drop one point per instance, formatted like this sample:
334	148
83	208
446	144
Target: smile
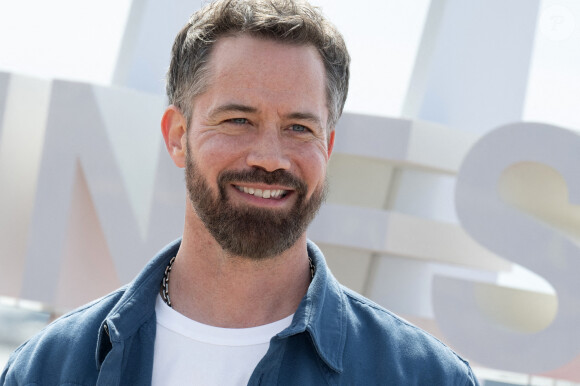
263	193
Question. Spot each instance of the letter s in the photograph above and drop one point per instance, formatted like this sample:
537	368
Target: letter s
521	238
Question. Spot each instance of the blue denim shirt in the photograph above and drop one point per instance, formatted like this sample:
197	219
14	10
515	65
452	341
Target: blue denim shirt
337	337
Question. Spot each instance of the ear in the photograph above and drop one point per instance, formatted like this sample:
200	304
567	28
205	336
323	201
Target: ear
174	129
330	142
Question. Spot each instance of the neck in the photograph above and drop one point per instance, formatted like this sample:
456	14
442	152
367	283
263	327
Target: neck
215	288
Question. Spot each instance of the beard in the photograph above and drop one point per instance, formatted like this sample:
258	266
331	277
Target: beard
249	231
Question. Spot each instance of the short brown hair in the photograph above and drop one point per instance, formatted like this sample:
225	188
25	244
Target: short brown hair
288	21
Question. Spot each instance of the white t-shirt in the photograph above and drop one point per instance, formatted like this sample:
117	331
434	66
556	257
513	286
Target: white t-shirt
192	353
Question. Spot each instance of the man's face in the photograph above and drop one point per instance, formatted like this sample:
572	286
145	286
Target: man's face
257	145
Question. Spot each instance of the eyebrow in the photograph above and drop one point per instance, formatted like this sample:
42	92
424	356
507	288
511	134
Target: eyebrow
232	107
306	117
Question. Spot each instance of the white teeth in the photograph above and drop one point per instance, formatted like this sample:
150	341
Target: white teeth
275	193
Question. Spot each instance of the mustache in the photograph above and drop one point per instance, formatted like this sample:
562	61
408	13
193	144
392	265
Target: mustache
256	175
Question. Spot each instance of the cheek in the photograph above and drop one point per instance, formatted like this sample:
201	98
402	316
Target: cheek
219	151
313	166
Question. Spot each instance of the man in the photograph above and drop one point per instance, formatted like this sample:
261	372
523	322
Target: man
256	88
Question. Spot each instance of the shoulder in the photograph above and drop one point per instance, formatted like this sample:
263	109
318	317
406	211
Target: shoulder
67	343
376	335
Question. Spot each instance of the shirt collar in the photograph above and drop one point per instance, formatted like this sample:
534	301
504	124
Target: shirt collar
137	305
321	313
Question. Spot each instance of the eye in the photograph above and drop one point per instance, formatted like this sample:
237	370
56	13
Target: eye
299	128
238	121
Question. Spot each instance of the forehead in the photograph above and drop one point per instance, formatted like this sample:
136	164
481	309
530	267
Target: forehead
250	65
243	52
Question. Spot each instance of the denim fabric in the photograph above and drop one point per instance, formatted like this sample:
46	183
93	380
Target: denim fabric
337	337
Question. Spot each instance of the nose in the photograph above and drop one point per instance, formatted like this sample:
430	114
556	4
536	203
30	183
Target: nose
267	152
